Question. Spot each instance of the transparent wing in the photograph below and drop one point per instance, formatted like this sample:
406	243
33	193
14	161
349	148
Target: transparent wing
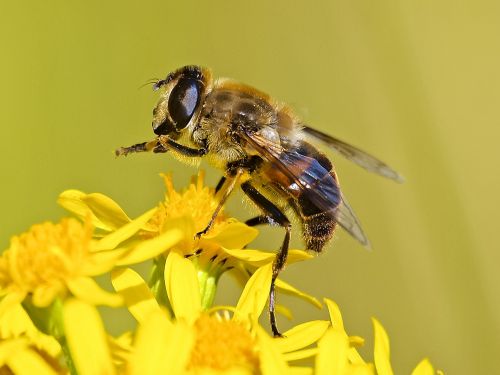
361	158
324	196
347	219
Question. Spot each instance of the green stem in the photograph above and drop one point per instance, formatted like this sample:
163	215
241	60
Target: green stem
157	282
67	356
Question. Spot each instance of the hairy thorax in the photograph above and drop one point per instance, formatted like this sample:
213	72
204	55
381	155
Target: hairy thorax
226	115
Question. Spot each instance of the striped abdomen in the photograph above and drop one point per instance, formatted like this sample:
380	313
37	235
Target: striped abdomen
309	180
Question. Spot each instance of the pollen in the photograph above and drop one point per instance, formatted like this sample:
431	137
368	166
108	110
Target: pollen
197	202
222	345
45	256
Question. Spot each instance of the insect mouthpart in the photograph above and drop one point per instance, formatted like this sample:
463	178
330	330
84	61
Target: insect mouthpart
163	128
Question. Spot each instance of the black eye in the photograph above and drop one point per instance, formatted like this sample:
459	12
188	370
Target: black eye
183	101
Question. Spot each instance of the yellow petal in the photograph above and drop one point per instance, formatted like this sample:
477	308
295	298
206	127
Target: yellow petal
381	349
255	294
285	311
297	370
183	290
335	315
302	335
332	353
258	258
28	362
151	248
102	261
234	235
300	354
125	232
106	210
75	202
44	295
87	290
9	347
135	292
271	360
86	339
161	347
10	301
72	200
288	289
423	368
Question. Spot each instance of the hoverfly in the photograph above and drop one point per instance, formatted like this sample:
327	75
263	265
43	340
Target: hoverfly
263	148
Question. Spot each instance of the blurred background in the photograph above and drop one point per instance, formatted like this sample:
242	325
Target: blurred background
415	83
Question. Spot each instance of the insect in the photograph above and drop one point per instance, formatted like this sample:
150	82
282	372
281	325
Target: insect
263	148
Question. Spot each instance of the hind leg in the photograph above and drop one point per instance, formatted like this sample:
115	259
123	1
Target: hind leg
272	214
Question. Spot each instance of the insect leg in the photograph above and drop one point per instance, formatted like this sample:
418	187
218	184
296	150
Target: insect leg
227	187
138	147
259	220
220	184
168	143
275	215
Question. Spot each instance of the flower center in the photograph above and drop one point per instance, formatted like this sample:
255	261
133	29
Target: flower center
223	345
45	255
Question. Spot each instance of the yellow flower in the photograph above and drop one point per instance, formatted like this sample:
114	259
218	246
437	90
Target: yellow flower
337	352
52	260
23	348
18	356
194	342
222	249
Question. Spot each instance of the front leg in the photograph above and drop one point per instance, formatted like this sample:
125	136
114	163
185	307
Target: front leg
170	144
160	145
227	185
138	147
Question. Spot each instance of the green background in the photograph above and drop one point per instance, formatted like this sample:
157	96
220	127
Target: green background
414	82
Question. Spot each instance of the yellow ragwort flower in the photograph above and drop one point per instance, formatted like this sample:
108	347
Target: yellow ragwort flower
222	249
194	342
54	260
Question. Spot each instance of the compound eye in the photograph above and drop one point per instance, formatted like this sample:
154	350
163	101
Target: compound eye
183	101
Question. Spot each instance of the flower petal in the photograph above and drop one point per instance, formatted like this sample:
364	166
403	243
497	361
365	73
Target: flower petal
271	360
9	347
86	338
11	300
285	311
28	362
135	292
72	200
258	258
125	232
233	235
381	350
335	315
300	354
424	368
87	290
255	294
183	290
288	289
302	335
298	370
106	210
43	295
105	213
102	261
161	347
338	323
151	248
332	355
